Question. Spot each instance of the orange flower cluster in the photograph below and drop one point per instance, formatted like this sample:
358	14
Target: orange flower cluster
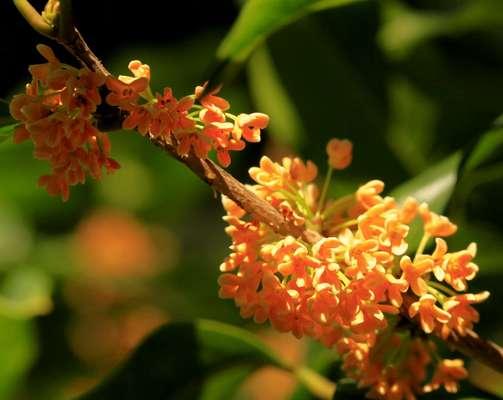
347	287
56	113
197	127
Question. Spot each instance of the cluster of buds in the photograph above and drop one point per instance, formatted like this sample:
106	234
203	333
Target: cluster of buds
56	113
346	286
197	127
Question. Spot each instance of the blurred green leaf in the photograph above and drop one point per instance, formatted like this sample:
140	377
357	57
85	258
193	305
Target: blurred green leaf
434	186
488	148
412	121
404	28
178	360
322	360
259	18
224	384
271	97
6	132
25	293
18	345
16	238
335	93
488	240
483	164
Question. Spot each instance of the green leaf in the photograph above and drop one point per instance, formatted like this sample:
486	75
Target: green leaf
434	186
260	18
271	97
224	384
6	131
185	361
454	175
322	360
412	124
482	164
25	293
404	28
488	148
18	344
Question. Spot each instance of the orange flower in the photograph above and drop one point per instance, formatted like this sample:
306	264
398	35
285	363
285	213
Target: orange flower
434	224
340	287
358	254
124	94
340	153
429	313
459	268
249	126
56	114
447	374
438	257
463	314
368	194
413	272
386	286
139	117
170	115
195	141
139	69
210	99
409	209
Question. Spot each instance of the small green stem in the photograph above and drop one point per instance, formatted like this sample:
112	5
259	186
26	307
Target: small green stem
439	295
345	280
34	18
346	224
442	288
338	205
422	244
324	191
317	384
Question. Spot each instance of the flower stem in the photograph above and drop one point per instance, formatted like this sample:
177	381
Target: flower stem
33	17
422	244
339	205
346	224
442	288
324	191
437	293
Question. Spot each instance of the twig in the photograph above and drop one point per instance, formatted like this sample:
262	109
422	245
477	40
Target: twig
221	181
224	183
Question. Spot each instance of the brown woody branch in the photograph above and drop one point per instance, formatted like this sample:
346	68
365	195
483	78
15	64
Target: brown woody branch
223	182
471	345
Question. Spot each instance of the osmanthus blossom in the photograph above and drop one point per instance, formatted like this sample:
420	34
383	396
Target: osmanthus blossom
347	287
343	283
57	113
192	127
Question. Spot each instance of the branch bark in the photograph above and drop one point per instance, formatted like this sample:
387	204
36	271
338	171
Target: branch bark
471	345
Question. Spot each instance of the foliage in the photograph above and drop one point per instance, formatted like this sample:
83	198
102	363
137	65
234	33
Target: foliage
416	85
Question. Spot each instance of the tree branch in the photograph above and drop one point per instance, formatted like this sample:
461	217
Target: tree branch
221	181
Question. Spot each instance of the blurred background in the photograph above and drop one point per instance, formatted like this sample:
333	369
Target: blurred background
81	283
